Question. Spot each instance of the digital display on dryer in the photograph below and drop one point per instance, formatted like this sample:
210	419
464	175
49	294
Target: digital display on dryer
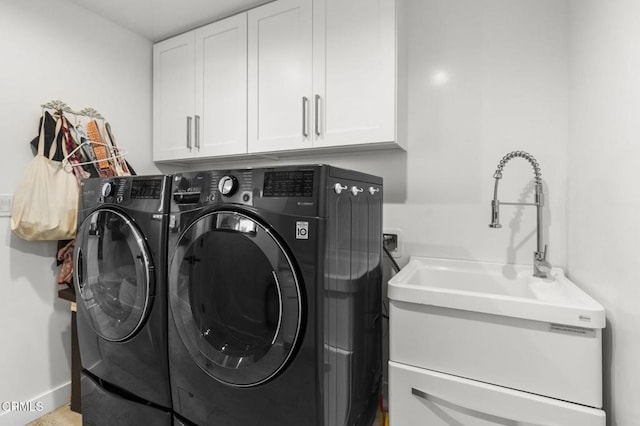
292	183
146	188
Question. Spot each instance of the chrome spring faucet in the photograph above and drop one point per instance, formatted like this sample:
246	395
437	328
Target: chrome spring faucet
541	267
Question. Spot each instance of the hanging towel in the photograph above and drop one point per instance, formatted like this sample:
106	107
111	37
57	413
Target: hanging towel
104	168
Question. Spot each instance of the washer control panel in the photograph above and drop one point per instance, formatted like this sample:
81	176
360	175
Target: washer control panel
113	191
130	191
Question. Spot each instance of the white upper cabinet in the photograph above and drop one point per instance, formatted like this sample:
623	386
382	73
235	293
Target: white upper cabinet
221	87
200	92
290	76
173	97
354	72
280	71
321	74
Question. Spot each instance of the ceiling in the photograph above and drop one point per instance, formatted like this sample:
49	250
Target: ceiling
160	19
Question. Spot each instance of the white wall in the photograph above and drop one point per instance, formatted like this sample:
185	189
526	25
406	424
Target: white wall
55	50
604	186
504	70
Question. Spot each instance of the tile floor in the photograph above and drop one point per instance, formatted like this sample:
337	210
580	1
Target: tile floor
62	416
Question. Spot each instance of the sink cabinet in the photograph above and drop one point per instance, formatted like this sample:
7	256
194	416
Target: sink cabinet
559	361
482	344
199	92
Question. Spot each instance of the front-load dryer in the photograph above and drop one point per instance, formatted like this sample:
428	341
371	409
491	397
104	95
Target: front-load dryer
120	283
275	296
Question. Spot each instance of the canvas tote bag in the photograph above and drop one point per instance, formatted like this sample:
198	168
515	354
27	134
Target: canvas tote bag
45	204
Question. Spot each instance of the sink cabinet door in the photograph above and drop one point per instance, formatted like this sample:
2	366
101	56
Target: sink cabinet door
423	397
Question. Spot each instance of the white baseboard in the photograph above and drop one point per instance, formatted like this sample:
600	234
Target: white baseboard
13	413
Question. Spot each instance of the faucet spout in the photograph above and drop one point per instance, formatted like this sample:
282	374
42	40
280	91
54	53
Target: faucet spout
541	267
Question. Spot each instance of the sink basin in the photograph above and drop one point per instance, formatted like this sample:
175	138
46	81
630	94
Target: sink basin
498	324
493	288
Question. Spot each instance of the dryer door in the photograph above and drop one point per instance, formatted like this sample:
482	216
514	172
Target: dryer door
113	274
235	298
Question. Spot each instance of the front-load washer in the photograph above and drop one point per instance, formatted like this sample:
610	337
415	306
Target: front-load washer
275	296
120	283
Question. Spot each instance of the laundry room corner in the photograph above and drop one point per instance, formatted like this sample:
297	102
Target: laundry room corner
73	62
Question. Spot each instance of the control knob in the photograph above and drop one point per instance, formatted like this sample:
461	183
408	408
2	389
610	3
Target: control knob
107	189
228	185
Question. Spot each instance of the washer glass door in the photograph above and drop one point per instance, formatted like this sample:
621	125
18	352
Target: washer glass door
112	274
235	298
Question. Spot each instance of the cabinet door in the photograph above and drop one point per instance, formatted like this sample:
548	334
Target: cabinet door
221	88
419	396
173	97
354	72
279	83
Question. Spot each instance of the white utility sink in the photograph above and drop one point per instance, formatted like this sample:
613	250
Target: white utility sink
498	289
498	324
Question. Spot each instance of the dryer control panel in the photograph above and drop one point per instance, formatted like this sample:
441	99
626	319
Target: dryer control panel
212	187
287	189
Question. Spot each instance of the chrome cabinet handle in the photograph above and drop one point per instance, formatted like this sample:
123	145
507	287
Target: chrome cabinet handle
305	104
373	190
478	414
339	188
189	132
317	115
355	190
197	131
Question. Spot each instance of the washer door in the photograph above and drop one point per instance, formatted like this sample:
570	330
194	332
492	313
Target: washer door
235	298
113	274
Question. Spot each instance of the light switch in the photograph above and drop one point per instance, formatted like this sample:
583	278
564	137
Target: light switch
5	204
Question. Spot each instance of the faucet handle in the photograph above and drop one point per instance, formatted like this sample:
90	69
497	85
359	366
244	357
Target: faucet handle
541	266
542	255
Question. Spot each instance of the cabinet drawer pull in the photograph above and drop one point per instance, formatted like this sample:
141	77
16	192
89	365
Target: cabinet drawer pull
189	132
317	115
197	131
305	104
491	418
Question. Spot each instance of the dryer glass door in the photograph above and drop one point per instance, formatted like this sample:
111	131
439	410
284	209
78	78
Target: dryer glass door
235	298
112	274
